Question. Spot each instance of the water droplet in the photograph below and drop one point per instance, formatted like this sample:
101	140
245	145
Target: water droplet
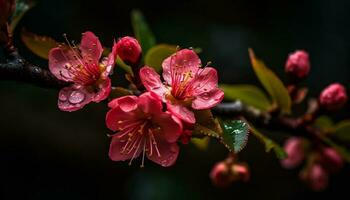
76	97
62	97
164	163
206	96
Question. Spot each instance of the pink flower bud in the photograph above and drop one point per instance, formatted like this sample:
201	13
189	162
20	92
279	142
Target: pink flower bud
331	160
129	50
333	97
298	64
241	172
294	147
316	177
6	9
220	175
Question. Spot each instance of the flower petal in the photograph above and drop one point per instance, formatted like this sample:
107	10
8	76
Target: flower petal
205	80
171	126
74	98
60	60
168	153
181	112
90	47
208	99
110	61
126	103
116	148
104	89
149	104
181	62
151	81
117	115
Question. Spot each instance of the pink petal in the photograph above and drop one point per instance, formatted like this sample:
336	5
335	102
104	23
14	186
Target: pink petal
150	104
90	47
74	98
181	112
59	59
168	152
180	62
208	99
126	103
116	149
151	81
104	89
205	80
117	115
170	125
110	62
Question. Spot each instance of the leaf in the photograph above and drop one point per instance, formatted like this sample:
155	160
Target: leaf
272	84
235	135
206	125
117	92
342	130
269	144
324	123
22	7
201	143
124	66
248	94
155	56
39	45
142	31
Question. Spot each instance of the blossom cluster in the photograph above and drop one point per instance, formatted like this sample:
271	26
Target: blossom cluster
149	124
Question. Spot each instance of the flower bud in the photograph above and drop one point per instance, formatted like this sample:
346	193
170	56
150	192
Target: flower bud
129	50
240	172
221	175
294	148
7	7
333	97
316	177
298	64
331	160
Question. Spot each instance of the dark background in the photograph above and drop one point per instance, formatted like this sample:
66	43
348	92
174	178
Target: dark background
49	154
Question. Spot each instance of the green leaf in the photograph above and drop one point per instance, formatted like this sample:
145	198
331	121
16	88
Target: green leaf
206	125
340	149
142	31
22	7
324	123
201	143
124	66
272	84
235	135
248	94
39	45
342	130
155	56
269	144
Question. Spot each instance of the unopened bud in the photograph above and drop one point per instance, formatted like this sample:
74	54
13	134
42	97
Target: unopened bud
240	172
298	64
221	175
331	160
294	147
129	50
316	177
333	97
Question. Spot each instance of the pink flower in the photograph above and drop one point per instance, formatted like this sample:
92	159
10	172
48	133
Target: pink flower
241	172
221	175
331	160
316	177
82	67
333	97
143	128
294	148
129	50
298	64
186	84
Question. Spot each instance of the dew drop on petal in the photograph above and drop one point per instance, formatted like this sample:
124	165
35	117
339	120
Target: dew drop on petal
62	97
76	97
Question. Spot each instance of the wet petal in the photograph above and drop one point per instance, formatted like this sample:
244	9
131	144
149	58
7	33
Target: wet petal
74	98
181	112
150	104
168	152
151	81
181	62
104	89
170	125
90	47
117	119
126	103
208	99
60	60
205	80
110	61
